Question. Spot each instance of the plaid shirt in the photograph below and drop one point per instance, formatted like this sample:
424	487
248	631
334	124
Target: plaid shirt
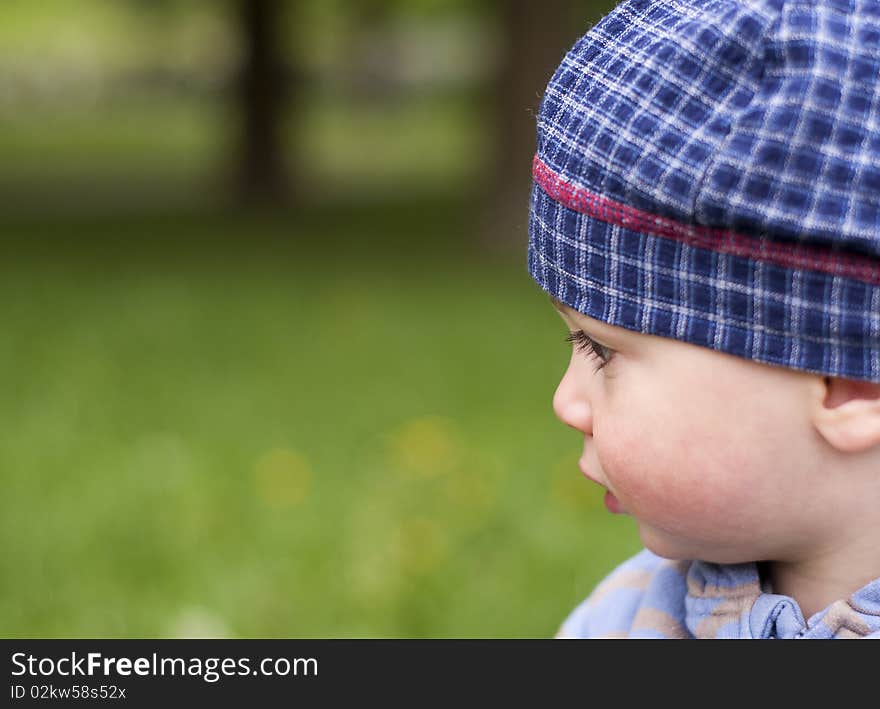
709	171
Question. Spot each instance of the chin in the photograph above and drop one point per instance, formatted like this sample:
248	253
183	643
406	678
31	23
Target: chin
675	548
662	545
683	550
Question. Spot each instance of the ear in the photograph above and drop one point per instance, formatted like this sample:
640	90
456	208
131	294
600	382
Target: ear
846	413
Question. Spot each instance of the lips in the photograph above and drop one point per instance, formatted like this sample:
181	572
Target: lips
613	504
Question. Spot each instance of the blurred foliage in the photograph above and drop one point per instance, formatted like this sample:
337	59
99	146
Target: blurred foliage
107	102
110	104
329	422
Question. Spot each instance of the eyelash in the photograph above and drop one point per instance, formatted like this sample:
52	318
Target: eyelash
584	343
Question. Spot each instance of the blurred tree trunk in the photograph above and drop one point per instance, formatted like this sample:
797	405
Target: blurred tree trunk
369	75
262	93
536	36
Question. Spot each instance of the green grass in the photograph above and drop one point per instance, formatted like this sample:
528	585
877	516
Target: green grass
332	424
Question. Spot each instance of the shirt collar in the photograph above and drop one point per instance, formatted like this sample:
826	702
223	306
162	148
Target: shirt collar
729	601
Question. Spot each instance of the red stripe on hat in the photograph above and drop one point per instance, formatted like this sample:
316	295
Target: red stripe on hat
790	255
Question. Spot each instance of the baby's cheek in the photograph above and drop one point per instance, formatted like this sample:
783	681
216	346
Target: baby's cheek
677	487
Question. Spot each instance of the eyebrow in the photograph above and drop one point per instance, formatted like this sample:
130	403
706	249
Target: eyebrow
593	335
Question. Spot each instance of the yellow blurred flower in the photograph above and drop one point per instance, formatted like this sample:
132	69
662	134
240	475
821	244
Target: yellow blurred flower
283	478
426	447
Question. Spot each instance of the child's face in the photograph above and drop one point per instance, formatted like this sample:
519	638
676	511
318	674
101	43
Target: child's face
713	455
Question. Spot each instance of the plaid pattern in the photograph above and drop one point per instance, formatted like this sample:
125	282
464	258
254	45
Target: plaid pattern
710	172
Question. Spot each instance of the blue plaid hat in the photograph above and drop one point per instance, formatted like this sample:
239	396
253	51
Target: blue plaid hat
709	171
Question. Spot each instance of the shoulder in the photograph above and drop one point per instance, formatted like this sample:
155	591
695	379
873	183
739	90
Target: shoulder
643	597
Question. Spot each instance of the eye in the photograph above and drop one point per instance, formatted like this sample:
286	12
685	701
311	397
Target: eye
584	343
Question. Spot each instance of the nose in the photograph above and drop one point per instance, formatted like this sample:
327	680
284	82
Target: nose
571	404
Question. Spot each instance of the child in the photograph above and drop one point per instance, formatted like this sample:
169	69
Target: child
705	216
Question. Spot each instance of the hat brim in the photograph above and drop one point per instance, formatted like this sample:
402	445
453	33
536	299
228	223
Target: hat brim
797	318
